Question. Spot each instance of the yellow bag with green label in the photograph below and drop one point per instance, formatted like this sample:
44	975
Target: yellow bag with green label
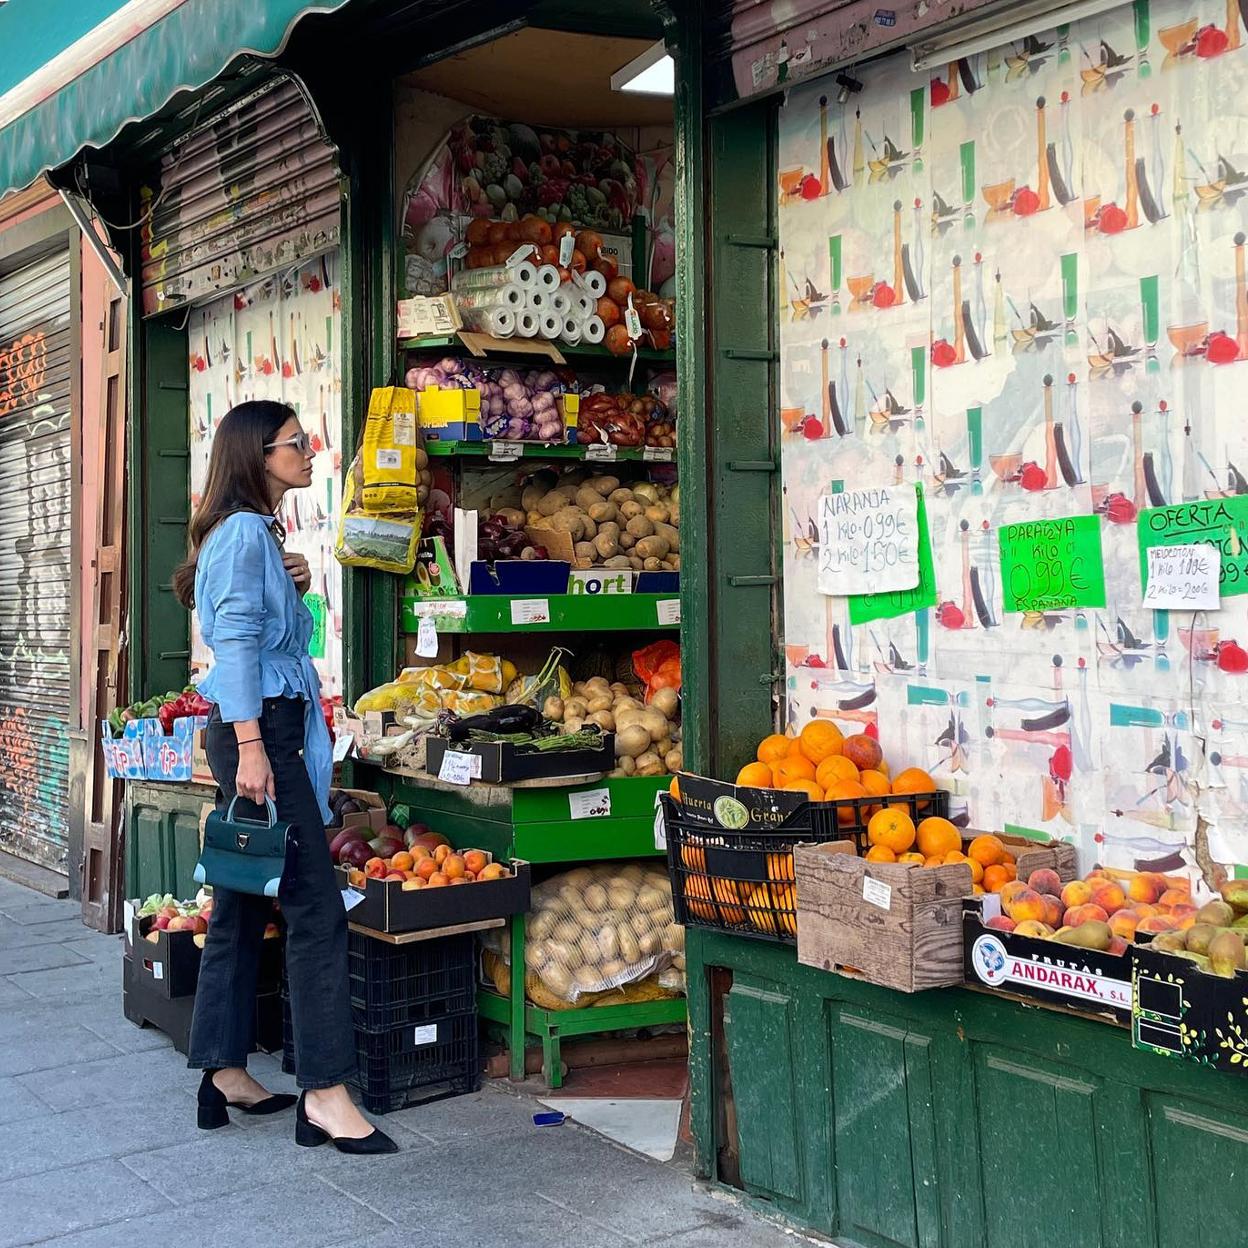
389	452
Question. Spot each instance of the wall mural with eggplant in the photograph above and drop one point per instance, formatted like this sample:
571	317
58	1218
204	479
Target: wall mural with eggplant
281	339
1018	281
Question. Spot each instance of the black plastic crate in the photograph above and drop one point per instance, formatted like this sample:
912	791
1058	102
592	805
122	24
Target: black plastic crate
417	1063
743	881
416	983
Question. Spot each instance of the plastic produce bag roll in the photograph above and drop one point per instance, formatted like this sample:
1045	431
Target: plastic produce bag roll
571	331
595	283
527	323
551	326
523	274
560	301
586	303
497	321
593	331
548	277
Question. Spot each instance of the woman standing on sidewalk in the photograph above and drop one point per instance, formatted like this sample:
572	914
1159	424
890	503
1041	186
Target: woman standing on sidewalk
266	737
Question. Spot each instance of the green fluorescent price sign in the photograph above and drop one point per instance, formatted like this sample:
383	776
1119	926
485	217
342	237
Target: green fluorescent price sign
316	604
1052	565
1221	522
863	608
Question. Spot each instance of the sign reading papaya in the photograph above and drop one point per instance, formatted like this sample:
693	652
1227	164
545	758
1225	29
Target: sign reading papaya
1052	565
1219	522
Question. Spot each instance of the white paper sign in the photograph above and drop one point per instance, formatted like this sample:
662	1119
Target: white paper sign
592	804
428	1034
342	745
1183	578
530	611
668	610
158	970
567	245
351	897
427	638
868	540
505	452
459	768
657	454
601	451
876	892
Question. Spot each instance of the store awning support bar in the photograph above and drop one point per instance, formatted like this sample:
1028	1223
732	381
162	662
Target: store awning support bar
102	253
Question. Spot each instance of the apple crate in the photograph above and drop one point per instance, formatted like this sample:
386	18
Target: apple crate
891	924
167	966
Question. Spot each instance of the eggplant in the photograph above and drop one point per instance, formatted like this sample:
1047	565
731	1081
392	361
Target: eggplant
501	720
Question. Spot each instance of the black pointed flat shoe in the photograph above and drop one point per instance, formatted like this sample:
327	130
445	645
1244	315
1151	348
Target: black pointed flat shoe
309	1135
214	1109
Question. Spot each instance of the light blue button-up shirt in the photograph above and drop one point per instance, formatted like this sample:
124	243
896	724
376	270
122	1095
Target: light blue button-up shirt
258	628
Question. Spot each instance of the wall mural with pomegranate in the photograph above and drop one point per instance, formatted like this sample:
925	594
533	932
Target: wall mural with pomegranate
280	338
1018	282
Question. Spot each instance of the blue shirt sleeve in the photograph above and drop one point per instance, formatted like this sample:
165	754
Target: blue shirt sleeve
235	587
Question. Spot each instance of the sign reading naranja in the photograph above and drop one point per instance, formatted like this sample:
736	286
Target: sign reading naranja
1052	565
1220	522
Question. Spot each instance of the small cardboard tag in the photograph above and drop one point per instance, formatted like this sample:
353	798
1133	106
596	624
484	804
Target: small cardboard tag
351	897
427	638
530	611
521	253
428	1034
668	610
601	451
457	767
657	454
877	893
591	804
343	743
505	452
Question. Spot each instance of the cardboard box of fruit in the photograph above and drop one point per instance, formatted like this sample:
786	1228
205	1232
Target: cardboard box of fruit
1189	984
898	922
1071	946
405	881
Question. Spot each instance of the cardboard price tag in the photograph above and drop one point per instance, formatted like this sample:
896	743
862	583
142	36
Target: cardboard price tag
657	454
459	768
427	638
505	452
632	320
877	893
521	253
1183	578
668	610
530	611
351	897
591	804
601	451
428	1034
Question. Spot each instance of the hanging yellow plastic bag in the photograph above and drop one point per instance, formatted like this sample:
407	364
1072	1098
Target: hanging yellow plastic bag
387	543
389	452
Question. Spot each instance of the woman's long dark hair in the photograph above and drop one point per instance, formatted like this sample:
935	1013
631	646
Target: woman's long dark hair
236	479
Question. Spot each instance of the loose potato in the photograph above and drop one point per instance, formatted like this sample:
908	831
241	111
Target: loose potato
649	764
627	541
618	563
605	486
651	564
600	511
604	719
655	548
639	526
621	496
670	533
656	513
629	509
635	562
512	515
552	708
647	490
586	553
666	702
553	502
674	759
587	497
605	546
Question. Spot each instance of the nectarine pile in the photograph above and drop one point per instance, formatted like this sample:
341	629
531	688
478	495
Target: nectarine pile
431	862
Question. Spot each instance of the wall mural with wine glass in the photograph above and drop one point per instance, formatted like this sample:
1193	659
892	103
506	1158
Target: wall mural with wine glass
1018	282
281	339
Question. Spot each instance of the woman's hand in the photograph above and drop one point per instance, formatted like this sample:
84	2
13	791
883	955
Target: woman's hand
299	571
254	780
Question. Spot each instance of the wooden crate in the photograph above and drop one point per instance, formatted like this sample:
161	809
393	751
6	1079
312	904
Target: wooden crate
894	925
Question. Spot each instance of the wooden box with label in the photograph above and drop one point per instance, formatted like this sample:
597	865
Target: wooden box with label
894	925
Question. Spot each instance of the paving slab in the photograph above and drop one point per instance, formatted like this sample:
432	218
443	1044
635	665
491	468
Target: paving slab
110	1080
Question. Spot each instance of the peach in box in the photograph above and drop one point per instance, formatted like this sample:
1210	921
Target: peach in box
1045	880
1109	896
1076	893
1087	913
1025	905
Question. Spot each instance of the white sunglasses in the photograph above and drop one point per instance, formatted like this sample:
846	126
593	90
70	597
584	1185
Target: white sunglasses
302	442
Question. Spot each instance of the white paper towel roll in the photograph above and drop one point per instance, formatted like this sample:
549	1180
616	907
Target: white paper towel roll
560	301
571	331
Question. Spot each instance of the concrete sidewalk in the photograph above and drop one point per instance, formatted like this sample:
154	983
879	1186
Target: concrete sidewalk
98	1143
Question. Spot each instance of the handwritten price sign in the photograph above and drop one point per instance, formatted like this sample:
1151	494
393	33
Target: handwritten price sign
1218	522
868	540
1052	565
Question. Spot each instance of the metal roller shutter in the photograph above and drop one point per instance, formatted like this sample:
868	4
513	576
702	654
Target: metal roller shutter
36	365
254	190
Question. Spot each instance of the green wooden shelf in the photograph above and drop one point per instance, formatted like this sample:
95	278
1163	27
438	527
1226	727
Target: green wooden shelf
569	613
543	450
585	351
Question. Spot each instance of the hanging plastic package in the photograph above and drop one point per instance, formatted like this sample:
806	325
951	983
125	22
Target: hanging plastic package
389	452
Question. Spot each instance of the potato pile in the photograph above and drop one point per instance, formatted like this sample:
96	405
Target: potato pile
594	928
647	738
630	527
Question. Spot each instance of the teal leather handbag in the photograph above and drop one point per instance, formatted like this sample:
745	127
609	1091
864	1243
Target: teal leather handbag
243	854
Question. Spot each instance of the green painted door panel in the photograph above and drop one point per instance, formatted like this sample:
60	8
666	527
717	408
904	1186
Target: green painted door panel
885	1138
758	1025
162	839
1038	1154
1200	1158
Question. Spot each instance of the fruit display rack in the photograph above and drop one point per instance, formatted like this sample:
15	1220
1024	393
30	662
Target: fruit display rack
537	825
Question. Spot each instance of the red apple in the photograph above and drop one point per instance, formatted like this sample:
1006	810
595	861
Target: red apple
342	840
431	840
355	854
414	832
199	923
182	923
160	922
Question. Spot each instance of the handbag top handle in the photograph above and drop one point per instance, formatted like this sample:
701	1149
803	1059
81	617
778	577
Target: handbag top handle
268	802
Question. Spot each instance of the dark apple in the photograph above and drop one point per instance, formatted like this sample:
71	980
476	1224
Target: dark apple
342	840
414	832
385	846
430	840
355	854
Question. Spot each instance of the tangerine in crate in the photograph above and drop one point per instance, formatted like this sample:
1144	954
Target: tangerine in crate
835	767
790	768
809	787
881	853
773	748
820	739
755	776
892	828
938	836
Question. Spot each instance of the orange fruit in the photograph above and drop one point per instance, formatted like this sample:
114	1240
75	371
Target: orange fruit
977	871
402	861
891	827
674	787
1011	872
986	850
835	767
474	861
809	787
1007	859
995	878
779	868
793	767
883	768
977	890
728	894
938	836
933	860
820	739
693	857
839	790
880	853
913	780
773	748
863	751
755	776
760	909
795	747
872	781
911	859
698	897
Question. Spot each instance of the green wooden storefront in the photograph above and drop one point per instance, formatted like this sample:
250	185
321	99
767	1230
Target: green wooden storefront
949	1119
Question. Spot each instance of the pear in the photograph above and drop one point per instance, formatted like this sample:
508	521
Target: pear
1200	960
1235	893
1091	935
1226	953
1216	912
1169	942
1199	936
1240	924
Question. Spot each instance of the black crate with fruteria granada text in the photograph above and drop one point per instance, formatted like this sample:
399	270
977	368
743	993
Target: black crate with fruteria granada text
413	983
415	1063
730	849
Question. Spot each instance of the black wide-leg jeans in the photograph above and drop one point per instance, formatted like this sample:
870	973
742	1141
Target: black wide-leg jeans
223	1027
